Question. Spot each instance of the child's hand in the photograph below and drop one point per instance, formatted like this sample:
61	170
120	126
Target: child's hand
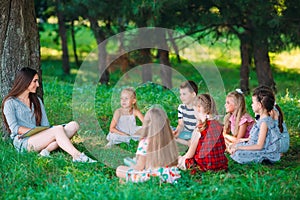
243	140
232	148
175	133
181	162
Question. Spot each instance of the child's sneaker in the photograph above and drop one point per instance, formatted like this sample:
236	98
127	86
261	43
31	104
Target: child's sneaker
129	161
109	145
84	159
45	153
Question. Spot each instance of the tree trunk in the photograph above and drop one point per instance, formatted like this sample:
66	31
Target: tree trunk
246	57
102	54
174	46
147	70
63	35
165	71
124	55
74	43
262	64
19	42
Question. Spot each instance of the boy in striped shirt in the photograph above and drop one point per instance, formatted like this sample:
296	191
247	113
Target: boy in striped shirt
186	118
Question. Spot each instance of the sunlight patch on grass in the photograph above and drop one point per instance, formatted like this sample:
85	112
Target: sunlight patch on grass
287	59
50	53
211	53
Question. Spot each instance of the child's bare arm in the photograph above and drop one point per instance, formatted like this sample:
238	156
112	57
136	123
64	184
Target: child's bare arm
193	145
260	142
179	127
230	138
139	115
242	131
114	122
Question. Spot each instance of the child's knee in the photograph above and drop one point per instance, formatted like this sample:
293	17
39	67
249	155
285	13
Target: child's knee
121	171
74	126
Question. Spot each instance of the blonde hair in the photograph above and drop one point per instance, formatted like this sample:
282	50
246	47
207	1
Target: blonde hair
162	148
132	93
240	110
208	104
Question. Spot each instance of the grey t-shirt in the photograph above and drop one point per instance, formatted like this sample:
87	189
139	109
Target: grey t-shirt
18	114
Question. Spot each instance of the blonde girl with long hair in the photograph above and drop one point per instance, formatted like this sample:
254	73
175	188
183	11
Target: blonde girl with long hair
156	153
123	124
237	122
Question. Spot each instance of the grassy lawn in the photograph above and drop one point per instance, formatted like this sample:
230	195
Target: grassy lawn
28	176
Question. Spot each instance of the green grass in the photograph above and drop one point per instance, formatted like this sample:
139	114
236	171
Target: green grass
28	176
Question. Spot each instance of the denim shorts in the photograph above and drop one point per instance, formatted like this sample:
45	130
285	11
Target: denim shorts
20	144
186	135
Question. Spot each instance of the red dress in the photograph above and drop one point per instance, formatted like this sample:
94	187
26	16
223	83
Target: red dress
210	150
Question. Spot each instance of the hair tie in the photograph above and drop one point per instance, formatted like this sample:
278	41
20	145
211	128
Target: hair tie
239	91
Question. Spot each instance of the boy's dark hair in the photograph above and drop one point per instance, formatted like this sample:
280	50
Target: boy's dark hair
191	85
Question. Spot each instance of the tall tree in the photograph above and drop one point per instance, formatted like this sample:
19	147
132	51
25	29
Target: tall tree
151	13
74	43
102	54
63	35
253	21
100	11
19	41
165	71
290	22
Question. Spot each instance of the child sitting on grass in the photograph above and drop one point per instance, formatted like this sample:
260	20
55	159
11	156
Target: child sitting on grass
206	151
156	153
277	115
237	122
263	143
123	125
186	118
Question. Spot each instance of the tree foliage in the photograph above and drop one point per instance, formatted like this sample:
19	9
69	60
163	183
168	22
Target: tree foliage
261	26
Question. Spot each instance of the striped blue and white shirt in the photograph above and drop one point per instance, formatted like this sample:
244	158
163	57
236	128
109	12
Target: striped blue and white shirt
188	117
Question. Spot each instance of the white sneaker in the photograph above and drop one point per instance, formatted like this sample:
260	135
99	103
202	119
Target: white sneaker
84	159
45	153
109	145
129	161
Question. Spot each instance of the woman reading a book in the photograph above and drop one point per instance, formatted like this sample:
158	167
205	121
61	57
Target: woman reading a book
23	112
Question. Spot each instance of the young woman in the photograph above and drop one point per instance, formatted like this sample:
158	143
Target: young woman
23	110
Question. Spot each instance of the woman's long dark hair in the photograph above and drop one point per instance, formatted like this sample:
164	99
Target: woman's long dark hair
21	83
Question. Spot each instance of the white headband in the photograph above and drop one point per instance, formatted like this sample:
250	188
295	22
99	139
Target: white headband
238	90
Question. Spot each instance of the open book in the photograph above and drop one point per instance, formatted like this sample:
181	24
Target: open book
34	131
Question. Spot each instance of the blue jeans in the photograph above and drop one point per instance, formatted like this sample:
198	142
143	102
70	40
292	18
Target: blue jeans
186	135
